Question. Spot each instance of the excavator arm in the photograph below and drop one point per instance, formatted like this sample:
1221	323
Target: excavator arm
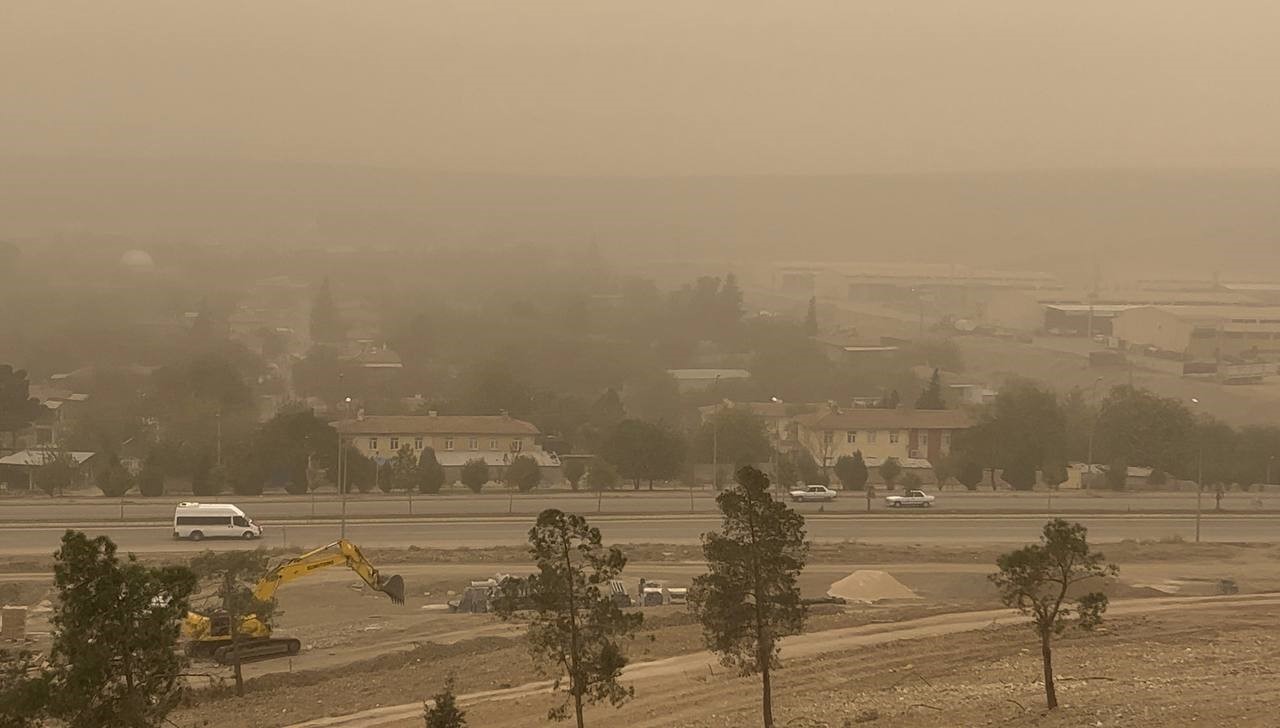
339	553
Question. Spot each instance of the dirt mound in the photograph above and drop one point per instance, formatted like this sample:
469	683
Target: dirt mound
869	586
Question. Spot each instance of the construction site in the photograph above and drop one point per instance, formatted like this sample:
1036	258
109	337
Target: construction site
897	636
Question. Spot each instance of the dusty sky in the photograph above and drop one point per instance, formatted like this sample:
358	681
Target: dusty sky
602	87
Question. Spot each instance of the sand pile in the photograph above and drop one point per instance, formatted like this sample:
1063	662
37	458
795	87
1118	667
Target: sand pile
870	587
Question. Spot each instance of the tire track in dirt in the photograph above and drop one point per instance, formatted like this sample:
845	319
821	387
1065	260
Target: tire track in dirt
800	646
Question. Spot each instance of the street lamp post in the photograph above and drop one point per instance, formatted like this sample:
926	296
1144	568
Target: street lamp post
715	438
342	475
1093	397
1199	474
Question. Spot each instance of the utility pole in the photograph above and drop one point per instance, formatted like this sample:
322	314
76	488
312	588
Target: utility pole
218	418
1088	467
715	438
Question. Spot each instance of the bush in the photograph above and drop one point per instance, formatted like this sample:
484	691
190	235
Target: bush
202	483
430	472
890	469
1020	475
115	480
1157	477
523	473
443	711
151	479
911	481
970	474
475	473
573	470
602	475
852	471
386	477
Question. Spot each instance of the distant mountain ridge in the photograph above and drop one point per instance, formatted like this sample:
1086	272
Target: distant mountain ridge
1164	220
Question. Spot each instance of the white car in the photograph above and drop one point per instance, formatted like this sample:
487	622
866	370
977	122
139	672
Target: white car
917	498
813	493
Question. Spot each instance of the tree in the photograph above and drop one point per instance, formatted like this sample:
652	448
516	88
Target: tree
911	481
359	470
475	473
931	397
56	474
810	472
404	469
729	305
233	575
114	660
442	710
969	474
852	471
201	483
602	476
18	409
151	479
890	469
732	435
786	473
1145	429
893	400
1118	475
811	317
1020	473
523	473
573	469
643	451
24	690
1043	581
430	472
750	595
326	326
115	480
944	469
1054	474
575	626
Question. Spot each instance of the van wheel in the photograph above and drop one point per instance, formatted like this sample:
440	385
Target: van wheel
196	536
247	535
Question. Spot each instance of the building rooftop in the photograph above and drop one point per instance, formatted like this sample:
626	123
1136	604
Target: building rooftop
37	458
436	425
886	419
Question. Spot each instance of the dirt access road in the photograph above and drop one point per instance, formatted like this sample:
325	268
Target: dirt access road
647	675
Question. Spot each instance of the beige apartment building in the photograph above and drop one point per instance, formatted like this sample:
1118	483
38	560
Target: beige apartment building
914	437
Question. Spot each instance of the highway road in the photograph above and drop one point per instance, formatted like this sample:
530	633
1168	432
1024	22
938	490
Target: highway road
909	527
278	507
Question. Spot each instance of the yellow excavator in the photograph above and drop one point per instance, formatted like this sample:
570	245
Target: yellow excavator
209	636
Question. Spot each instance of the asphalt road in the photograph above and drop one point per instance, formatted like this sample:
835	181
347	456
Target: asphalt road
278	507
909	527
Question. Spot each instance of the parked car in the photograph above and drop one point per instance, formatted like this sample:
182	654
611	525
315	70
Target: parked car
813	493
917	498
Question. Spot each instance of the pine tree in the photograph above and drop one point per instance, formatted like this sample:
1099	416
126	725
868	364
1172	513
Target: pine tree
852	471
811	318
1040	581
443	711
729	302
931	397
750	596
575	626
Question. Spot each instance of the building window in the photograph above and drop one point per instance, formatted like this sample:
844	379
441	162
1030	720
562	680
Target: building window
417	443
924	439
852	436
493	444
473	444
946	441
395	444
373	443
828	437
516	445
448	443
871	437
893	436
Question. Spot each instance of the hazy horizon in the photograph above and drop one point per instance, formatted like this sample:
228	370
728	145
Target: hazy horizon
574	88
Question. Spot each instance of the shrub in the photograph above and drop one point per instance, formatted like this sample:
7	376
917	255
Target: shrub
115	480
430	472
475	473
151	479
523	473
911	481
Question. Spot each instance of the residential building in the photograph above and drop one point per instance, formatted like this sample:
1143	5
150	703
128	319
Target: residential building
496	439
914	437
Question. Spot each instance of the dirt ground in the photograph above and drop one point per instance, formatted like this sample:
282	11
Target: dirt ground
1202	666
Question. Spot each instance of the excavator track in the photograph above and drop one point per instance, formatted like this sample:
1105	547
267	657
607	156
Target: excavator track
259	649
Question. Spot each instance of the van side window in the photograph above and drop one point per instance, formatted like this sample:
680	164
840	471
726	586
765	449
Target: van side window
203	520
240	521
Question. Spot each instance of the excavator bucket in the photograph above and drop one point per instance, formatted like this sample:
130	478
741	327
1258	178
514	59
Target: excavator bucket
393	586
